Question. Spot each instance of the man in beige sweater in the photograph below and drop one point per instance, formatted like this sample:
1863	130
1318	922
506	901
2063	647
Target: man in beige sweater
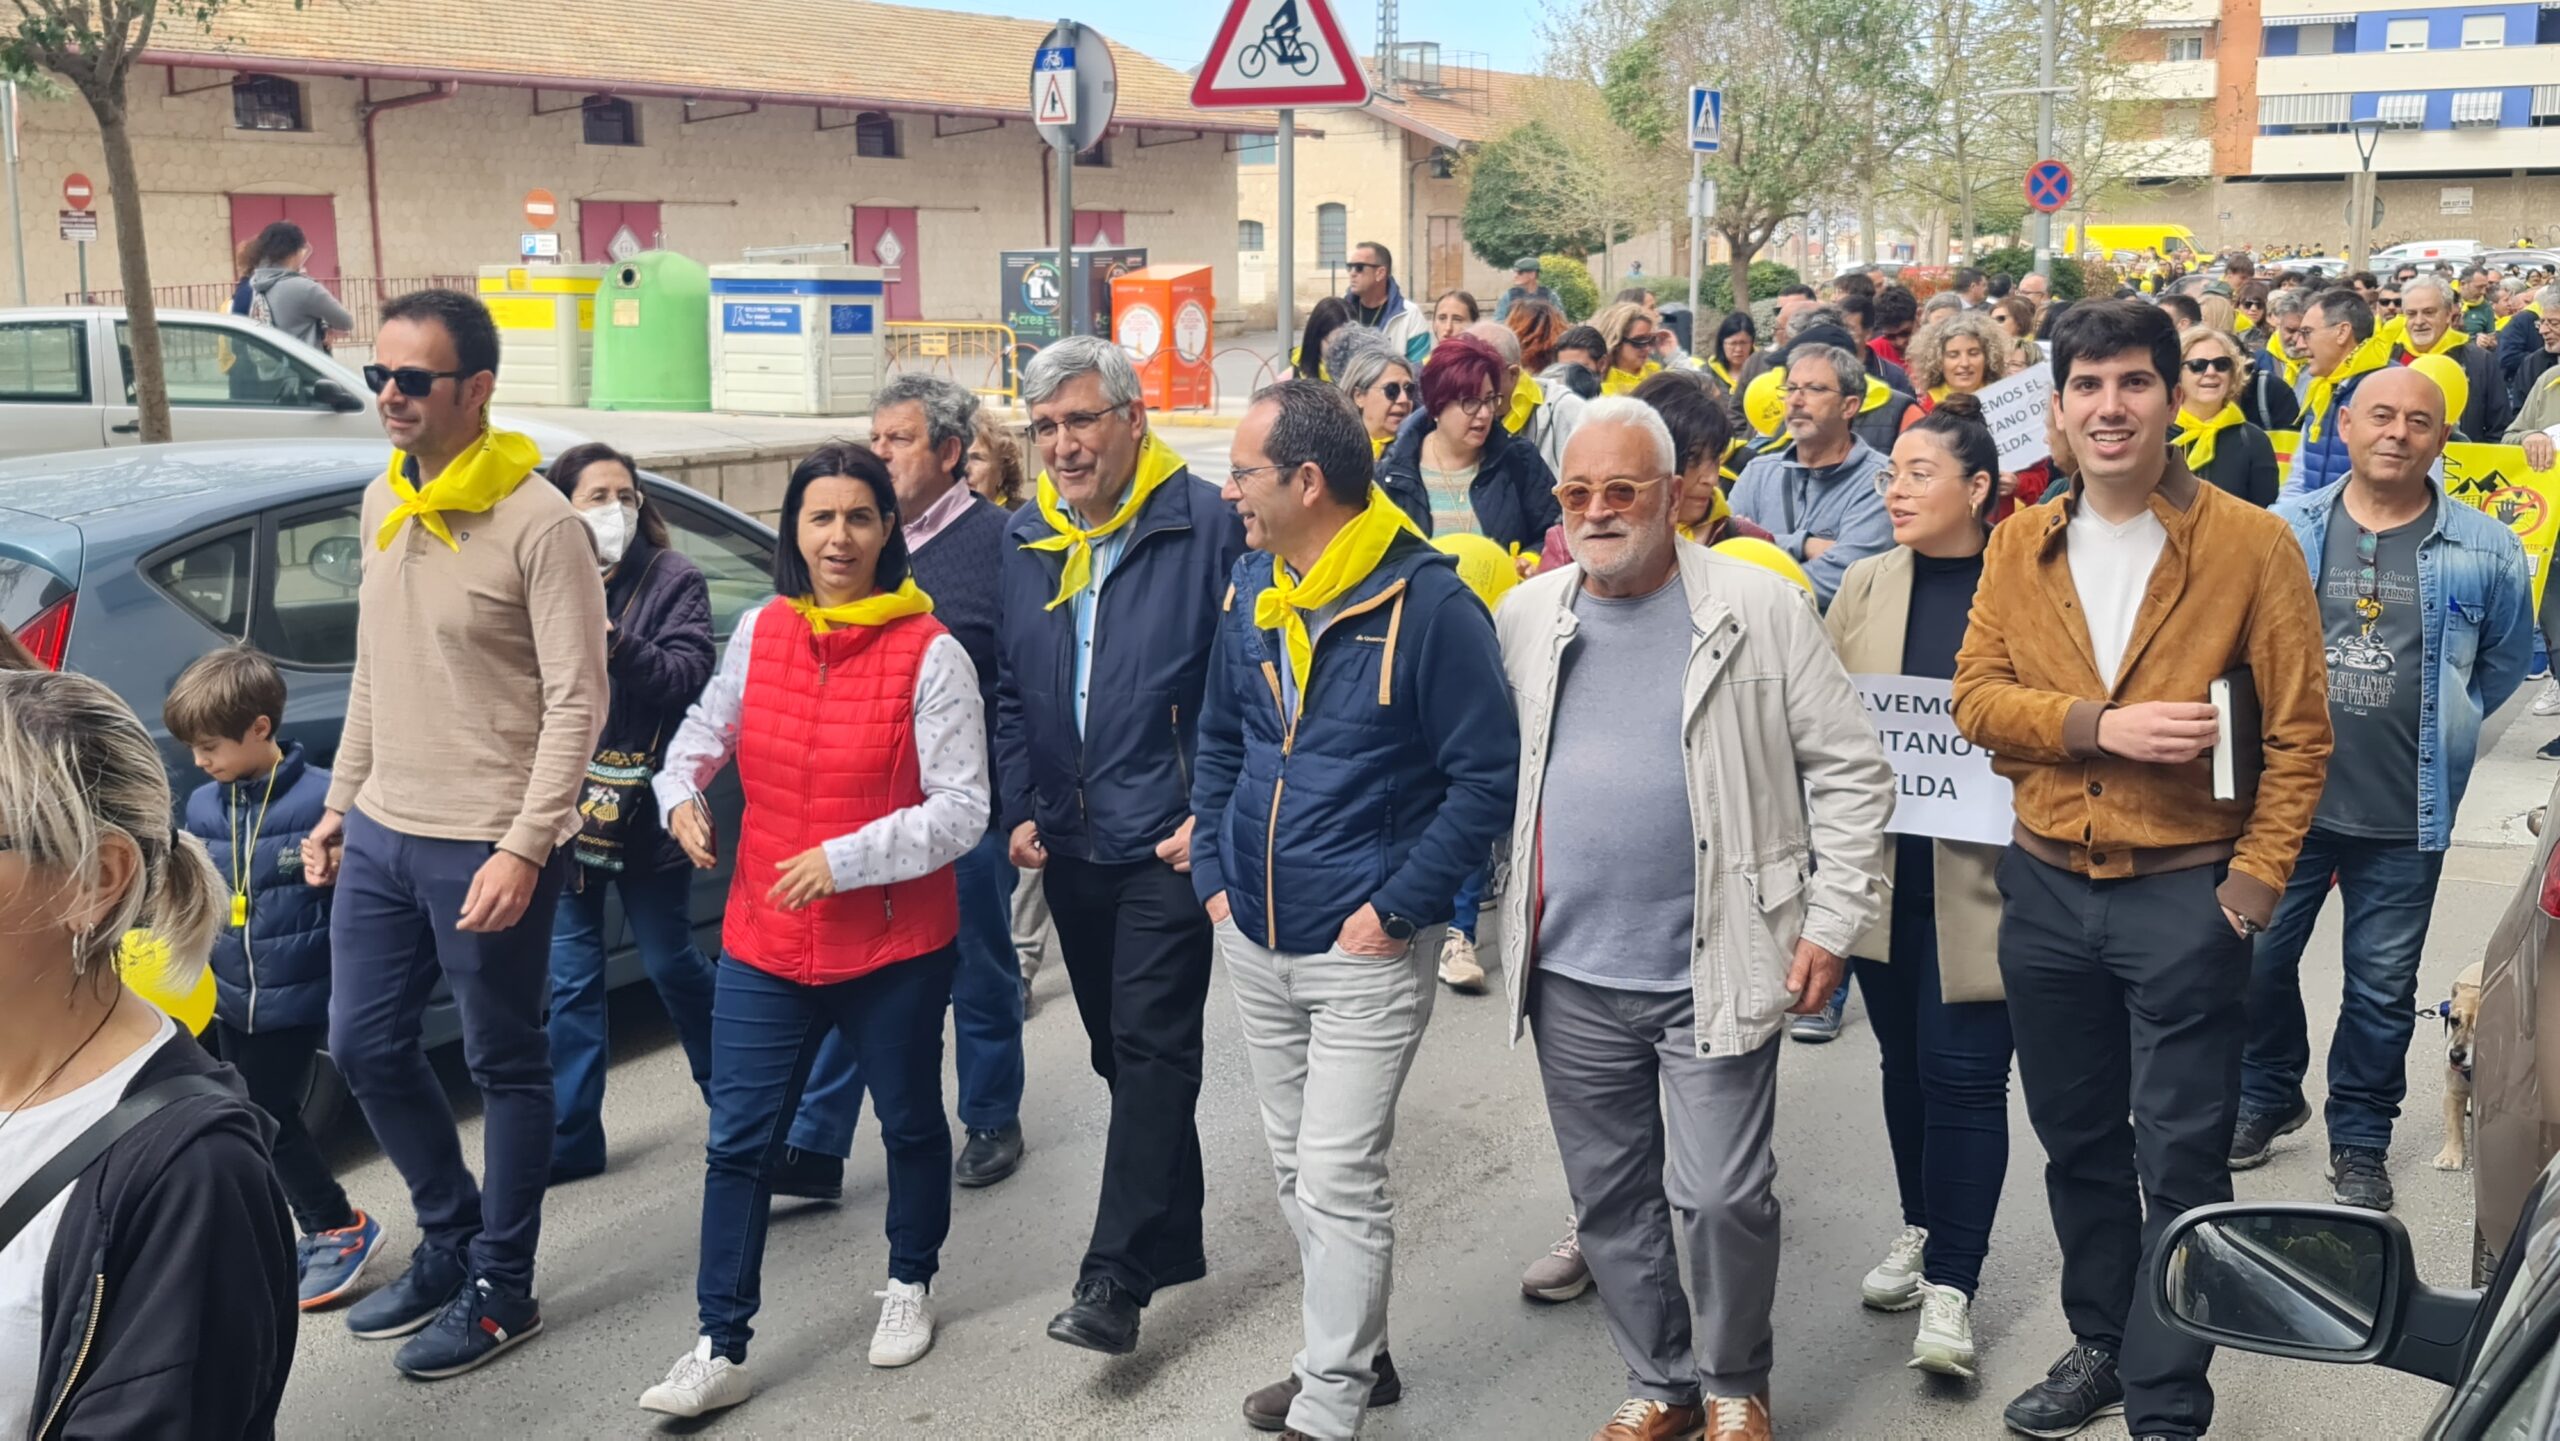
479	688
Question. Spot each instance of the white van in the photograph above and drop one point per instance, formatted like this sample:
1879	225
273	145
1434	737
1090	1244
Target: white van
2421	252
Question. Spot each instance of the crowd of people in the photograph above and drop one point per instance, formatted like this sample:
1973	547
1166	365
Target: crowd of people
1560	623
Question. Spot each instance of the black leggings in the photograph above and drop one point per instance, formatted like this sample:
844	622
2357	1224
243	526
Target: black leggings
276	1067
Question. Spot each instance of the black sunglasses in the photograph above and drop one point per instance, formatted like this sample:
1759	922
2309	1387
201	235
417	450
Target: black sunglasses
2210	365
1395	390
415	382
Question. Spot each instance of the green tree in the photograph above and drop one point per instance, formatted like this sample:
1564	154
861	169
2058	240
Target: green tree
93	44
1570	279
1527	196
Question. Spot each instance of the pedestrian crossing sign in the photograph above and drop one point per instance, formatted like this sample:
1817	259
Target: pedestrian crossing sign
1706	120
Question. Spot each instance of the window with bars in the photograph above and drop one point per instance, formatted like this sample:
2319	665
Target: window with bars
610	120
266	102
1333	225
875	136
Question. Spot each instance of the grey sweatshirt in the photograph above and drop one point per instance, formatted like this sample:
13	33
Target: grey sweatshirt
302	307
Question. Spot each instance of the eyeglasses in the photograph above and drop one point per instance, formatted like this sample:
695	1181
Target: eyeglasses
1791	391
1887	481
1395	390
1576	495
1238	473
629	502
1080	424
1478	405
2383	302
415	382
1356	266
2210	365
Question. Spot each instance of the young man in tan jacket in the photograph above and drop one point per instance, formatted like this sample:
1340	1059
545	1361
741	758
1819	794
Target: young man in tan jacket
2130	893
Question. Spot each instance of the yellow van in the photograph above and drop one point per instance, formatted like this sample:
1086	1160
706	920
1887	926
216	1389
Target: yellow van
2167	242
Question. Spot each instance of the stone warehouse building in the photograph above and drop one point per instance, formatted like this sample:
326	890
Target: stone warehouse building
404	140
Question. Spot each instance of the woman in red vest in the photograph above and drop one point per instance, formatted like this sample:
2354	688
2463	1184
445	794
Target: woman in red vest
855	721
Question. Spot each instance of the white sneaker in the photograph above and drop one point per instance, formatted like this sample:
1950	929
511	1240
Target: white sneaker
1945	1342
906	1325
2548	703
700	1382
1459	968
1894	1285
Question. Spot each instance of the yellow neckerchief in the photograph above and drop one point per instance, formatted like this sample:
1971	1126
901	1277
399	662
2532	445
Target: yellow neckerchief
487	472
2292	367
1717	368
1293	364
2373	355
1618	382
878	608
2392	331
2242	323
2452	340
1156	464
2533	310
1877	394
1937	395
2197	436
1526	397
1354	551
243	869
1718	509
1378	445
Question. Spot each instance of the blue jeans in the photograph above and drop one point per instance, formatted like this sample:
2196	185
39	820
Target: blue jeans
657	907
765	1033
986	1011
2390	889
1946	1084
1470	900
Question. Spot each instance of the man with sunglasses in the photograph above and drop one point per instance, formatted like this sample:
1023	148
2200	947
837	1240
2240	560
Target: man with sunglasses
1110	582
1357	758
478	692
2427	605
2338	330
1673	929
1378	302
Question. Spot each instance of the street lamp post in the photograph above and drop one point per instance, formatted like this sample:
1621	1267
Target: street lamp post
2368	134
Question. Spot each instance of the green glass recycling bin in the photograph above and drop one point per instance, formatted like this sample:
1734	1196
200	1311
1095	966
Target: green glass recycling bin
653	335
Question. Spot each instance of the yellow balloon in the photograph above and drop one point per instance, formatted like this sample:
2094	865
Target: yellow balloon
142	959
1485	566
2448	375
1762	405
1766	556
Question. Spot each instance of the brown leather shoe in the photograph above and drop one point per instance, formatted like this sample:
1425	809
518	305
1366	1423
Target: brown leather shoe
1738	1418
1643	1420
1268	1408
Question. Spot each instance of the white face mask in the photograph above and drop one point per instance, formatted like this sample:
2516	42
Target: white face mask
612	526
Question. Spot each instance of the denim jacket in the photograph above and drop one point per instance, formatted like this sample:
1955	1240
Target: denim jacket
2475	598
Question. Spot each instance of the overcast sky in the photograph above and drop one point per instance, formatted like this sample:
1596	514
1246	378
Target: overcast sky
1178	31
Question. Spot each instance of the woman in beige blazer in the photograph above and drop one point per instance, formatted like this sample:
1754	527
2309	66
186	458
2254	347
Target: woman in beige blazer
1930	968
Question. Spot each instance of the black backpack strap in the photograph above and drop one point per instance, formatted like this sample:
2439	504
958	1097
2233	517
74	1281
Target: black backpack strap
30	1199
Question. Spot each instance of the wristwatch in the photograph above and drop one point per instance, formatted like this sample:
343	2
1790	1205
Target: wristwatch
1397	927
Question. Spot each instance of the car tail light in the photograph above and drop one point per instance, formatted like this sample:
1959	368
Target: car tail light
49	634
2551	884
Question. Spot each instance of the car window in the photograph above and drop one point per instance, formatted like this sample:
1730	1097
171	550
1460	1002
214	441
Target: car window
44	362
312	609
2519	1417
210	578
738	565
211	365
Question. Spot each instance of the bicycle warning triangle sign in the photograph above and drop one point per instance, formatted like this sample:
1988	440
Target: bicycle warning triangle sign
1273	53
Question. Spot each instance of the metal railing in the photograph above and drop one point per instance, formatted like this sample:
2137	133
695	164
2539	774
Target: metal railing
986	358
362	295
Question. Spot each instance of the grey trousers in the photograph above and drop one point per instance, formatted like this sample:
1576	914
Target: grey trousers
1032	934
1330	1038
1617	1066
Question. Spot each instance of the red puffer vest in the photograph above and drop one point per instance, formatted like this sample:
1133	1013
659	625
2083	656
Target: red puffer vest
826	745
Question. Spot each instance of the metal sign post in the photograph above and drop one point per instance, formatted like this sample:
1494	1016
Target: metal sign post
1706	137
9	150
1074	88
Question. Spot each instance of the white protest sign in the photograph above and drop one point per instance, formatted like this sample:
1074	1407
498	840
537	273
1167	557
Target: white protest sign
2015	407
1943	785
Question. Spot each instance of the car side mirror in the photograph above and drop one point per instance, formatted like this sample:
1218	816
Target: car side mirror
335	396
2310	1282
339	560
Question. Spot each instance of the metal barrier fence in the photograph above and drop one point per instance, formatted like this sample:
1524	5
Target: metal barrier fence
362	295
986	358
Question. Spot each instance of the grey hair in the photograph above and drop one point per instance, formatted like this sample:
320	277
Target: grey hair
1340	346
2292	300
2549	299
1367	366
2514	285
1499	336
1063	360
1628	411
78	774
2428	281
1315	423
1813	315
1944	300
1844	367
950	410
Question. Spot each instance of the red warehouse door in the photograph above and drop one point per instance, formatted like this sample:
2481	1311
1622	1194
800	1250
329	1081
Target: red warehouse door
611	230
1101	227
886	236
316	214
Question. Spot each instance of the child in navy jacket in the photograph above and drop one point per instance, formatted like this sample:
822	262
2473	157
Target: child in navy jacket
271	961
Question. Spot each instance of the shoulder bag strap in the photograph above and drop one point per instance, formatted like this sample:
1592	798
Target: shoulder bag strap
49	1180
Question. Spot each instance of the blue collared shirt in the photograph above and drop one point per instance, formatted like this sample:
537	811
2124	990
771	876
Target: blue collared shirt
1106	554
2475	599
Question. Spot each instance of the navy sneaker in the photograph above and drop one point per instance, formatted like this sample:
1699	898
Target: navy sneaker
1823	1025
434	1277
330	1261
480	1324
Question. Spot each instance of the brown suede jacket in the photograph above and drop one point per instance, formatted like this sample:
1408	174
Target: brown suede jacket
2229	590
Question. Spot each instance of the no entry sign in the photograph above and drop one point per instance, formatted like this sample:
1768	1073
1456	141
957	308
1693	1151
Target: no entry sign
76	192
541	209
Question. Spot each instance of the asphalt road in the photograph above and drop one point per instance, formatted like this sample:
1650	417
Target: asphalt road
1479	1193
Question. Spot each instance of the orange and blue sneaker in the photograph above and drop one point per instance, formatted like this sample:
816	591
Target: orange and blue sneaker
330	1261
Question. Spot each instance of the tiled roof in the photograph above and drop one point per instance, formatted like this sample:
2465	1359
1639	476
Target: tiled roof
847	53
1474	106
